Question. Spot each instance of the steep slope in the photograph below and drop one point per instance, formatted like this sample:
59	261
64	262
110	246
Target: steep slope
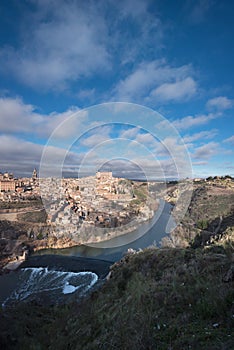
155	299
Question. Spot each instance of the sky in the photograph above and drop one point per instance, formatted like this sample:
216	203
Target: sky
58	58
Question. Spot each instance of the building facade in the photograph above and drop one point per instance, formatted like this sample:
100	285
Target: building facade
7	185
7	182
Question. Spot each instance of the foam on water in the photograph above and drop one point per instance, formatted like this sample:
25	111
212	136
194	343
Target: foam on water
33	281
68	288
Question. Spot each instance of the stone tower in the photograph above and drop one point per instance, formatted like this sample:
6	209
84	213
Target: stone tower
34	174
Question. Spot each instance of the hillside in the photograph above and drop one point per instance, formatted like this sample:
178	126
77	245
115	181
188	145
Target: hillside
210	215
155	299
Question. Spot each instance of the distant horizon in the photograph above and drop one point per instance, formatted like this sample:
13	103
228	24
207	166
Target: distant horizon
117	176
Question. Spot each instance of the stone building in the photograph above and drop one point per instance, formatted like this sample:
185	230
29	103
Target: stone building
105	185
7	182
7	185
104	176
34	174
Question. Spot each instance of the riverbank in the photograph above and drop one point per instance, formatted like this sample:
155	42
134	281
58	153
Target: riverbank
96	238
20	237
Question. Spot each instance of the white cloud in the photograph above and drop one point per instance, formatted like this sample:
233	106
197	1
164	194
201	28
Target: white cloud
230	140
18	117
220	103
16	149
190	121
171	146
136	135
62	42
146	139
95	140
66	41
15	116
177	91
201	163
63	123
200	135
130	133
21	156
206	151
127	45
148	76
96	136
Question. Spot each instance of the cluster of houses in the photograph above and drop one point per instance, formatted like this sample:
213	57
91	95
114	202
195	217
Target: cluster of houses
101	201
15	189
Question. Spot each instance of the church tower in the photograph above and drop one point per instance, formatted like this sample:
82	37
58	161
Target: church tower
34	174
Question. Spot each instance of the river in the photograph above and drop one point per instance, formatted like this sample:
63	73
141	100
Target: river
56	274
148	233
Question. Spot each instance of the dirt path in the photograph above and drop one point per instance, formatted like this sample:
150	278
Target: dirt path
12	216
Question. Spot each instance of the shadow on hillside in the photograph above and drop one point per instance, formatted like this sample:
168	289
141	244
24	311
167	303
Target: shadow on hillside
11	230
214	231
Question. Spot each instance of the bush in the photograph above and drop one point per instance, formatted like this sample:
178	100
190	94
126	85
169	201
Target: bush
40	236
202	224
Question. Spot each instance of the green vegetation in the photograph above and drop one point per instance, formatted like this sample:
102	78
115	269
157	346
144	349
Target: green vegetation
135	202
155	299
125	182
141	193
40	236
202	224
210	178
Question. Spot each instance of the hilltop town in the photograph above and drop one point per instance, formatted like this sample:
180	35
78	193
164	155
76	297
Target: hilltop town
40	213
101	201
57	213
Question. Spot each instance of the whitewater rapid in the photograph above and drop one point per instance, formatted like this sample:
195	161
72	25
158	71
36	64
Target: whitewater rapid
34	282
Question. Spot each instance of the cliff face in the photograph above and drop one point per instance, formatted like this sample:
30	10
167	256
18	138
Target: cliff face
157	298
209	218
18	238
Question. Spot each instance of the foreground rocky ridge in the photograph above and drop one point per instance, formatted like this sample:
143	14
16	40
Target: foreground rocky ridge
166	298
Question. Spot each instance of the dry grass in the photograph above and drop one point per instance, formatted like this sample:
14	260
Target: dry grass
155	299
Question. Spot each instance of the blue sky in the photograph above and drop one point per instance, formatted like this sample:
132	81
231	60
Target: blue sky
59	57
